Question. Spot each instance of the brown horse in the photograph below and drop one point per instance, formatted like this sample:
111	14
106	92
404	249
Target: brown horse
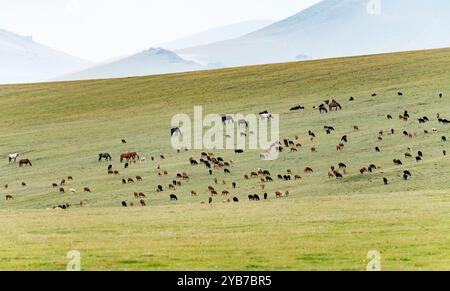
334	105
129	156
25	162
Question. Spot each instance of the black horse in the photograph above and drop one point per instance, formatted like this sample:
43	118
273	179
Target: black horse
105	156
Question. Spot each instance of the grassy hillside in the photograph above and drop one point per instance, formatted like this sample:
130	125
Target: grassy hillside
324	224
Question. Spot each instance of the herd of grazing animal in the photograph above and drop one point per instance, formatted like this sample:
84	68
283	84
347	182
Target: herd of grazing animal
213	164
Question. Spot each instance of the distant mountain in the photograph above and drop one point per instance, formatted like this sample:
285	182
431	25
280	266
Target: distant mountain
22	60
150	62
335	28
217	34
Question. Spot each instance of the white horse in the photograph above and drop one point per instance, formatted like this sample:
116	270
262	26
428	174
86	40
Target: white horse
13	157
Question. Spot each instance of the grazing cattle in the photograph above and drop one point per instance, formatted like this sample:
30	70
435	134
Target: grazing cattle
342	166
405	177
308	170
13	157
124	181
344	138
142	201
400	94
389	117
408	155
420	154
226	171
385	180
363	170
116	173
407	173
63	182
278	194
266	196
104	156
418	159
355	127
54	185
24	184
25	162
239	151
63	206
377	149
398	162
61	190
173	197
139	178
136	195
269	179
444	139
338	175
130	180
193	193
159	189
124	141
322	109
440	95
330	175
296	108
251	198
124	204
126	165
234	185
444	152
297	177
351	99
235	199
313	150
87	190
9	197
225	192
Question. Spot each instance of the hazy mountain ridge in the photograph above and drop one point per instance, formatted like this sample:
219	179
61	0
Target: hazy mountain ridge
149	62
23	60
217	34
336	28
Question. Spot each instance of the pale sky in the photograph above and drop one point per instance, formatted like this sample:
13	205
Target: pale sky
98	30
